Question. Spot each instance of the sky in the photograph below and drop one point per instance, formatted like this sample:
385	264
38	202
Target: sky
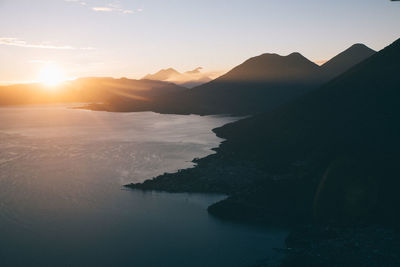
130	38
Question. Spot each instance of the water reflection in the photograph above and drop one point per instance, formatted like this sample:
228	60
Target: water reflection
61	200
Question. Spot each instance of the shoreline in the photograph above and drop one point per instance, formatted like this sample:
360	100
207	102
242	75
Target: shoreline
308	243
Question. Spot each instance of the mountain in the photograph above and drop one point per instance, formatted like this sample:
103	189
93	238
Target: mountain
325	163
187	79
260	83
329	155
273	68
346	59
339	144
109	91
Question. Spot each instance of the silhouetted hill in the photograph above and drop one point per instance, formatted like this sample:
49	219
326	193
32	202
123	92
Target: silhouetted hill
260	83
346	59
329	157
273	68
340	140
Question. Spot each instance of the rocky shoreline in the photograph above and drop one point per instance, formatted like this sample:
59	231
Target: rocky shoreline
308	244
257	197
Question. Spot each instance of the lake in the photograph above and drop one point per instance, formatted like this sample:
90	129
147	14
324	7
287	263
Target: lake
62	200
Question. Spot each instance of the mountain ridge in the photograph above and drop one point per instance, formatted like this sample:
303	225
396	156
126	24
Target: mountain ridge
261	83
346	59
330	155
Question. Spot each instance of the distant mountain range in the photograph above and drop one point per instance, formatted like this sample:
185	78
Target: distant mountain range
259	84
187	79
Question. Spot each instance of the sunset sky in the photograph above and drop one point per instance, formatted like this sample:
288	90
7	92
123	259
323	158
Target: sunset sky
136	37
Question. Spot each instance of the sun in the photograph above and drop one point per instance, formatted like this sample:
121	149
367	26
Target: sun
51	75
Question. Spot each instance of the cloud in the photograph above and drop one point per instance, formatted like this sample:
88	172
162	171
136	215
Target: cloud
44	45
102	8
111	7
195	71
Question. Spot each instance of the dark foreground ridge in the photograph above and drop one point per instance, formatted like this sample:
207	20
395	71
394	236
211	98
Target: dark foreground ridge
329	158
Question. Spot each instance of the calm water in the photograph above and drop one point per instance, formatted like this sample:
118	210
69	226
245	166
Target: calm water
62	202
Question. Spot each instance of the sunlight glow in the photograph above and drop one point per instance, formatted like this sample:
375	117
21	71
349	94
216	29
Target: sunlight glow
51	75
